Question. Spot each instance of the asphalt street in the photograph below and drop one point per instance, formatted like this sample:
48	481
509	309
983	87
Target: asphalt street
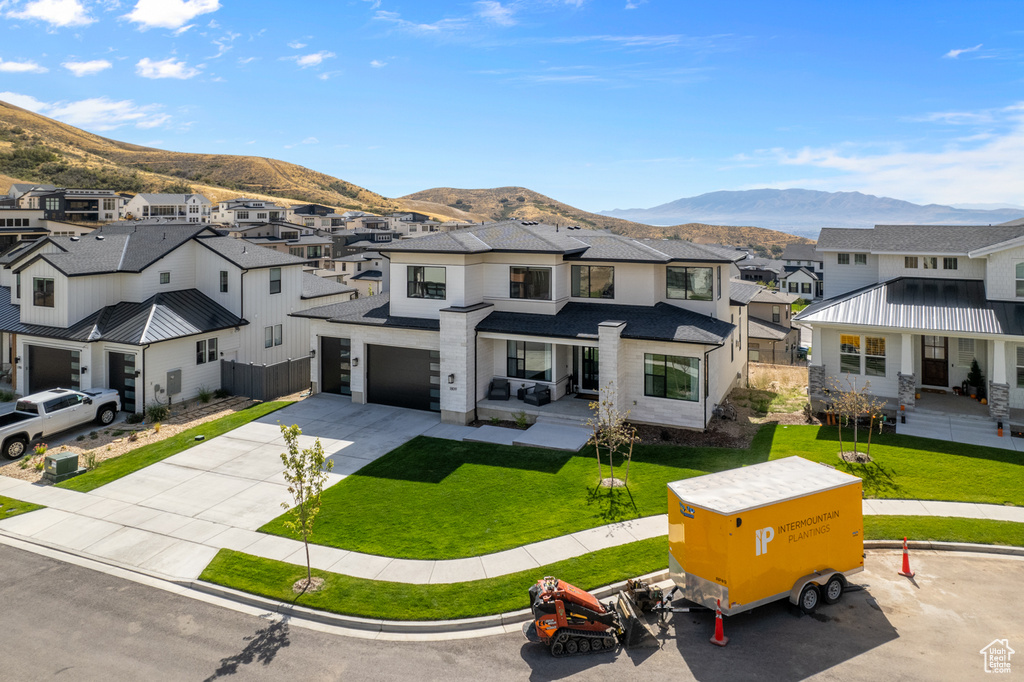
61	621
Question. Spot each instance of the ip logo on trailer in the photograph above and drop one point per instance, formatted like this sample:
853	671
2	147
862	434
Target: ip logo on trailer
762	537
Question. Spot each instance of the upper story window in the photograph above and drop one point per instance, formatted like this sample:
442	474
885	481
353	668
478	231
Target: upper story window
426	281
692	284
223	281
165	278
531	283
315	251
949	263
261	216
289	234
42	292
1019	277
17	284
719	278
52	203
843	258
930	262
193	208
860	259
241	215
776	313
108	205
275	280
593	281
297	251
910	262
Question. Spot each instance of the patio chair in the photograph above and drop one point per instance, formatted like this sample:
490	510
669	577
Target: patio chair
499	389
537	395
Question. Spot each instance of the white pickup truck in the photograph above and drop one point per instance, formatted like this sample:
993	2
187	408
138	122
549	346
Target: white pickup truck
43	414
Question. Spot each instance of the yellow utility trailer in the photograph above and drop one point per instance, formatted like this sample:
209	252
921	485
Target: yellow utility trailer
785	528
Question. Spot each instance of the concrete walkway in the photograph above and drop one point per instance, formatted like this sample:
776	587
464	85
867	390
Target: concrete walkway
958	428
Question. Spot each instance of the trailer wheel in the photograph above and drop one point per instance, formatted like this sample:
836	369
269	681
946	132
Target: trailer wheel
809	598
833	590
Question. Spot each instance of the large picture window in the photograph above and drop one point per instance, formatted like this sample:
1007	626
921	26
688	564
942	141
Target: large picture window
593	281
42	292
425	281
693	284
672	376
849	353
529	360
530	283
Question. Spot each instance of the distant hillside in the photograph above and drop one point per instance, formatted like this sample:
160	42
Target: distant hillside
804	211
34	148
501	203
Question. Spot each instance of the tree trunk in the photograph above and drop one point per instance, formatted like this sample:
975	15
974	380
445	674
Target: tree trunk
309	570
629	457
611	466
870	429
600	471
839	423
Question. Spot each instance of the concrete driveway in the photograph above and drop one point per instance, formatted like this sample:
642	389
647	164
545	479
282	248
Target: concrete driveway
172	517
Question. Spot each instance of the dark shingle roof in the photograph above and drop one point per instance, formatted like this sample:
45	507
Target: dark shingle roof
245	254
740	293
763	329
776	297
800	252
368	274
661	322
921	304
165	316
373	311
315	287
925	239
508	235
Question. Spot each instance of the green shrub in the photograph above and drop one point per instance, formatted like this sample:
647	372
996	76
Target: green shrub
135	418
7	396
157	412
221	393
205	395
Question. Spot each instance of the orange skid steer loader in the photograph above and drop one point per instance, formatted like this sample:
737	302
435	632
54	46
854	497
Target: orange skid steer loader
572	622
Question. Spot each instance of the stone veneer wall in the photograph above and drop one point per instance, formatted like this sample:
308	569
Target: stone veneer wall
999	401
907	390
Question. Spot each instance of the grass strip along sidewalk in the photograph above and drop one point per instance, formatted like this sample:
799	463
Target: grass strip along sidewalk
401	601
438	499
140	458
10	507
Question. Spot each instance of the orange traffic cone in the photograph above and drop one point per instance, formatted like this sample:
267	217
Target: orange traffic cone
906	572
719	639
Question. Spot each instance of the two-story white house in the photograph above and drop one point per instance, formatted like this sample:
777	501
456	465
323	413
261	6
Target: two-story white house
528	305
805	271
151	310
190	208
241	211
909	307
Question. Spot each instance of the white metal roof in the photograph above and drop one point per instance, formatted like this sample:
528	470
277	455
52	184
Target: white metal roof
758	485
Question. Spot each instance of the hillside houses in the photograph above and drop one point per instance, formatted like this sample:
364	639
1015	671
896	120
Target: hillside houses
192	208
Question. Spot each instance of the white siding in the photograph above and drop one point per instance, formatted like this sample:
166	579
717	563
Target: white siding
894	266
455	284
88	294
57	316
208	266
651	410
887	386
179	354
842	278
180	263
263	309
1001	274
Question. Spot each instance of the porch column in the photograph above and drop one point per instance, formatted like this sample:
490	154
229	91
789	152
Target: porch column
907	381
999	387
610	363
816	371
458	359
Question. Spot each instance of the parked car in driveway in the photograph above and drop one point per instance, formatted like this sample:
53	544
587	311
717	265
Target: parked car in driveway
43	414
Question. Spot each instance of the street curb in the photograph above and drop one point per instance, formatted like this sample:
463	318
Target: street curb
945	546
497	620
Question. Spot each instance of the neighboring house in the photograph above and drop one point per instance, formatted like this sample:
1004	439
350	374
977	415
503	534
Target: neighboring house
243	211
366	271
803	283
312	245
757	269
910	307
796	256
316	216
75	205
772	337
356	241
570	311
192	208
151	310
28	224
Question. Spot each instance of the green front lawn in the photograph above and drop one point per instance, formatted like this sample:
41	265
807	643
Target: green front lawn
10	507
438	499
944	529
140	458
401	601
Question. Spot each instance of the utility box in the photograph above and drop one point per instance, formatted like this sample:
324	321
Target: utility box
773	530
174	382
61	466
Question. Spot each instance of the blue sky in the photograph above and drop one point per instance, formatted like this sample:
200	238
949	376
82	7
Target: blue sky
601	104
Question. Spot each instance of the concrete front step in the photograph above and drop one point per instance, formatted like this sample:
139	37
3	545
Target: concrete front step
919	412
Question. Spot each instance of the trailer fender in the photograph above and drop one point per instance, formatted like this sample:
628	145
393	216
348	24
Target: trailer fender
819	578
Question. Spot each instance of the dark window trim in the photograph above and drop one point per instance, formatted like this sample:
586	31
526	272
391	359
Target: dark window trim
688	290
39	298
523	288
417	286
655	389
275	281
575	283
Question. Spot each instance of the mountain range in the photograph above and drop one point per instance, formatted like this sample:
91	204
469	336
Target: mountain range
804	211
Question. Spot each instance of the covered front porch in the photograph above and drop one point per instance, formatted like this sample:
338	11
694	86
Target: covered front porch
572	409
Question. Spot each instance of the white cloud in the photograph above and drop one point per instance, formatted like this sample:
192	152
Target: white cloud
634	4
169	13
978	169
55	12
21	67
953	54
378	64
435	28
88	68
96	113
314	59
311	140
495	12
166	68
374	4
245	60
296	45
183	29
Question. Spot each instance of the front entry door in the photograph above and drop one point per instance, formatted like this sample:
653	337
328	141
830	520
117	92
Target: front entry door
934	360
588	370
122	378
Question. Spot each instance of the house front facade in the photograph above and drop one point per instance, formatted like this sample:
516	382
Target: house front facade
244	211
909	308
555	312
191	208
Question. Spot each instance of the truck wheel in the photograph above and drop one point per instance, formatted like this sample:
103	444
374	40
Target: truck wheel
833	590
106	415
809	598
15	447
